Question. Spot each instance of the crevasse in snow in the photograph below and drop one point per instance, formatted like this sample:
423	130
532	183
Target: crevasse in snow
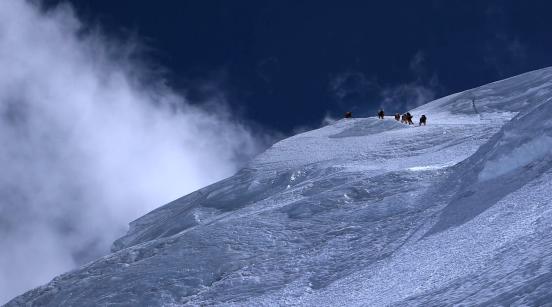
361	212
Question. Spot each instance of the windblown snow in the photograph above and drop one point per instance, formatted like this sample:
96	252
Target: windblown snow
362	212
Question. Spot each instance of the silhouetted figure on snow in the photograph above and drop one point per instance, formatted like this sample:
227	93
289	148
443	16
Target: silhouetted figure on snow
423	120
348	115
381	114
397	116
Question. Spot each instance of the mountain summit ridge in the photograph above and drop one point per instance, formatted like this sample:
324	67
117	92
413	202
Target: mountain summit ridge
360	212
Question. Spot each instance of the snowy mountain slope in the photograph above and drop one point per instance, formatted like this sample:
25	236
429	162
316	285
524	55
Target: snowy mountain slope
361	212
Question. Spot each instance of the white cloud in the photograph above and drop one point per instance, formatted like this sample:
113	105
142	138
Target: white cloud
403	97
86	146
351	88
356	91
328	119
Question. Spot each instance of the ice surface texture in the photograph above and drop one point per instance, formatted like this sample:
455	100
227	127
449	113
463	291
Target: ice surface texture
360	212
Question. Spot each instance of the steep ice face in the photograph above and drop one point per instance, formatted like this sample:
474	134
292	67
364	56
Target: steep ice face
525	140
361	212
518	157
515	156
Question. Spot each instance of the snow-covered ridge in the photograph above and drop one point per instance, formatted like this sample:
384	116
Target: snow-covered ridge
360	212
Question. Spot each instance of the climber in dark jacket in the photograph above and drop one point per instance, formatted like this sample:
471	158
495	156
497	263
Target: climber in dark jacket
348	115
423	120
397	116
381	114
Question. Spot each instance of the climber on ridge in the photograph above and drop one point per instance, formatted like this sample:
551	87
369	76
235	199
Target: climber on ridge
409	118
348	115
397	116
423	120
381	114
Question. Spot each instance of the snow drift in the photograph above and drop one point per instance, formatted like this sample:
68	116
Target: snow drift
360	212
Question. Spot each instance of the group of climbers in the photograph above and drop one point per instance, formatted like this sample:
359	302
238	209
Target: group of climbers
405	118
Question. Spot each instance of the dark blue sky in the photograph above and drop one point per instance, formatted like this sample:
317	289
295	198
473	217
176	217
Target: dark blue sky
286	64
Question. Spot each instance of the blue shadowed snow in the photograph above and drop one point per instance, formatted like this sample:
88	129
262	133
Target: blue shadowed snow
362	212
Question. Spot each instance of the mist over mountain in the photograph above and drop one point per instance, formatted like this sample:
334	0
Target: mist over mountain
90	139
